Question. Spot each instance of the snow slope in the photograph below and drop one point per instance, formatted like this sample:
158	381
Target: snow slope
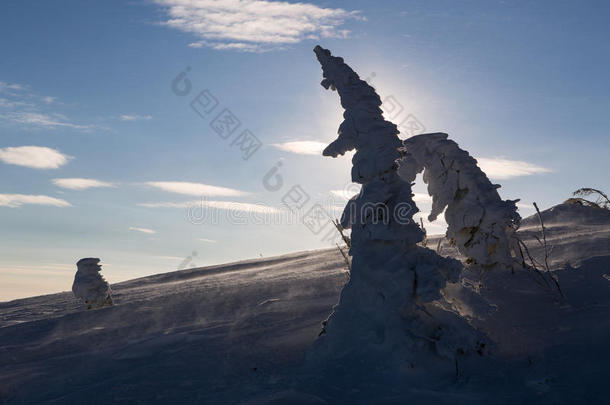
238	333
176	335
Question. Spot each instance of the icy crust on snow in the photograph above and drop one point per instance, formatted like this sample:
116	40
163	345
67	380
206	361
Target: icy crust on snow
480	223
89	285
384	310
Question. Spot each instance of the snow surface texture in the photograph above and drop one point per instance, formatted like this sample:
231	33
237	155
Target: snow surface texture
381	317
480	223
236	333
89	285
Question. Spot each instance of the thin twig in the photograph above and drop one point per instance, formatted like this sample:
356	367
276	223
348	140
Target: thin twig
527	252
345	257
346	239
546	251
424	241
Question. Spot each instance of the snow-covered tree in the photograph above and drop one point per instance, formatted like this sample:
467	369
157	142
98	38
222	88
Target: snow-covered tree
382	310
480	223
89	285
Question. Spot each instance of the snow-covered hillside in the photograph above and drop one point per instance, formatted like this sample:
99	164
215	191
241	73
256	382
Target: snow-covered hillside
208	334
238	333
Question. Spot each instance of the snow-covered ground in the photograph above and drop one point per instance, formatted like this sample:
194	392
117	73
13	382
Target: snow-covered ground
238	333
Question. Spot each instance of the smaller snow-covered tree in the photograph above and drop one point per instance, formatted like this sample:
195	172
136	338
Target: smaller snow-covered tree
89	285
480	223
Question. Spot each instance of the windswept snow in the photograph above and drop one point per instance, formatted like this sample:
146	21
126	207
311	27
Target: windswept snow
237	333
173	337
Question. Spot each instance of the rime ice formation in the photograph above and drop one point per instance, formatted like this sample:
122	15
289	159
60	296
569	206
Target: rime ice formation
480	223
382	311
89	285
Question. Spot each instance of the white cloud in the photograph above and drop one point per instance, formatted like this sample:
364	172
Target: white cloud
4	86
81	184
220	205
36	157
199	189
302	147
346	193
499	168
43	120
353	189
143	230
6	103
239	206
238	46
20	105
133	117
254	25
17	200
207	240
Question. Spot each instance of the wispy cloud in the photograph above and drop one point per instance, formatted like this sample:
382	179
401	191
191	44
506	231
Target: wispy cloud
353	189
20	105
133	117
207	240
4	87
36	157
81	184
346	193
6	103
199	189
220	205
239	46
302	147
42	120
17	200
142	230
342	194
254	25
523	206
501	169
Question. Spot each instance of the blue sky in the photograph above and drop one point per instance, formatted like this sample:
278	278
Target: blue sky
99	157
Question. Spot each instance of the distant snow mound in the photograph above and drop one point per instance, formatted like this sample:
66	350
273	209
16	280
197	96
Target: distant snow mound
567	213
